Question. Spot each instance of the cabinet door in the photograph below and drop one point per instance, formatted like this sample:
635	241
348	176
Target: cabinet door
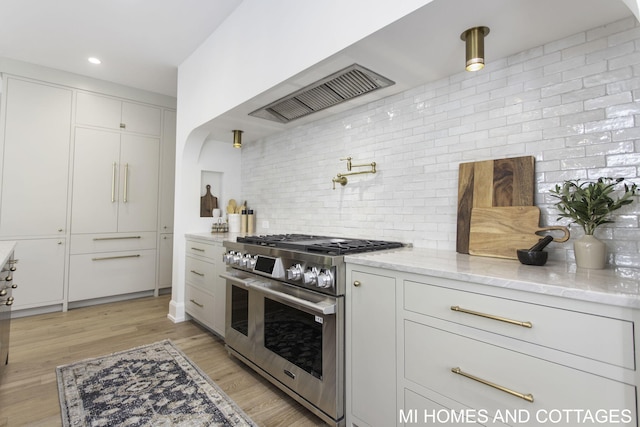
40	273
105	274
95	181
167	175
139	163
96	110
371	344
141	118
36	159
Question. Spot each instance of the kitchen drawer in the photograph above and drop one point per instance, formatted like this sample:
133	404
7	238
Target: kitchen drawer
108	242
200	273
609	340
200	305
111	273
213	252
431	354
419	410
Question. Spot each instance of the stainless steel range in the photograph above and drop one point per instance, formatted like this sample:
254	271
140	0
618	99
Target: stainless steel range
285	313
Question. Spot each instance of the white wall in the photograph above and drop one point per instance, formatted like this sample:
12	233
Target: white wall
260	45
572	103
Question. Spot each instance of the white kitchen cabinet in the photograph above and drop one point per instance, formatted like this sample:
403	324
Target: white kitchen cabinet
165	263
105	274
42	269
205	290
370	348
114	113
37	130
454	340
115	182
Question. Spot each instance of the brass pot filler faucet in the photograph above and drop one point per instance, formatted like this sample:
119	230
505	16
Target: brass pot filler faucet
341	178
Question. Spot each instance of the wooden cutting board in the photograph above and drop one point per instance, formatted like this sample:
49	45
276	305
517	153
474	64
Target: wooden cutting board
489	183
208	203
500	231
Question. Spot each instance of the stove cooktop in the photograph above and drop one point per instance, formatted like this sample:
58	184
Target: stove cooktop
319	244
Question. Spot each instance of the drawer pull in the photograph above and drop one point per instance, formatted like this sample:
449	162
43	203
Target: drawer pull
491	316
197	249
198	273
527	397
196	303
115	257
117	238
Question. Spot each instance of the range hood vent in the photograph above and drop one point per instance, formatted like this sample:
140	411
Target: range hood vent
339	87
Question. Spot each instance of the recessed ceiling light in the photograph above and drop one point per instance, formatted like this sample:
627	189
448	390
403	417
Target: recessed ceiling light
94	60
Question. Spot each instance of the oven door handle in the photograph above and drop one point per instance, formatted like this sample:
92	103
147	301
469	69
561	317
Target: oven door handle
317	308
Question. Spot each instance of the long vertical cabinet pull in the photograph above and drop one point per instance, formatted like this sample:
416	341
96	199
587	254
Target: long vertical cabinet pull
113	182
126	182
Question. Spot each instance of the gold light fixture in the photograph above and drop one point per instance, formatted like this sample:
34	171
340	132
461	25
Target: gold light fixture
474	40
237	139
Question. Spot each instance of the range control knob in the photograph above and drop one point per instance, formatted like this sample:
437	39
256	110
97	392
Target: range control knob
251	263
295	272
310	276
236	258
245	261
325	279
228	257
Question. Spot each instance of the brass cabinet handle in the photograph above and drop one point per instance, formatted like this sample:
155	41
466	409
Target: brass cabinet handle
527	397
117	238
197	249
115	257
113	182
198	273
196	303
126	182
492	316
356	283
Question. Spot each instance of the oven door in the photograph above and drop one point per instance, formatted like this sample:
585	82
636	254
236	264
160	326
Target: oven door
294	335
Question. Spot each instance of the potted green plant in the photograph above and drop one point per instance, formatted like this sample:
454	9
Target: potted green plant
590	204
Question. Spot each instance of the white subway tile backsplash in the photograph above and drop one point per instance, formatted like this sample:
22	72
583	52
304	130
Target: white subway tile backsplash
572	103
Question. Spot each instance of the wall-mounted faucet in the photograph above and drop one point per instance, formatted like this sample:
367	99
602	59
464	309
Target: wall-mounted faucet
341	178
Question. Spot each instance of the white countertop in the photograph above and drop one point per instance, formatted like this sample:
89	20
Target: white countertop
6	247
613	286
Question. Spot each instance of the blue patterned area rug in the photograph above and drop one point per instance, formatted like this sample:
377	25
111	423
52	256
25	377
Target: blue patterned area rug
153	385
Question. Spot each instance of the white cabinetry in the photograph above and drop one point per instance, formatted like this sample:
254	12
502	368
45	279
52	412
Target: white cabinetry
370	348
104	265
205	289
115	182
477	354
114	113
545	357
77	166
42	270
34	146
37	130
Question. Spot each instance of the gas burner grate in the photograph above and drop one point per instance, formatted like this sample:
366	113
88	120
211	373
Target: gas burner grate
352	246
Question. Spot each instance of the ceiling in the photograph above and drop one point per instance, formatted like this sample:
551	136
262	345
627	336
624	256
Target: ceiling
425	46
140	42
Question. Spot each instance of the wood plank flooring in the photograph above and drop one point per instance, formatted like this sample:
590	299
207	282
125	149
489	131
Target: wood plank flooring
28	387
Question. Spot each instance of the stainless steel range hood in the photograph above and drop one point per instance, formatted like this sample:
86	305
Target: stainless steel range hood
339	87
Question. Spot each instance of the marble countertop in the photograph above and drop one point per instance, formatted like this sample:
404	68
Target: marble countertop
614	286
6	247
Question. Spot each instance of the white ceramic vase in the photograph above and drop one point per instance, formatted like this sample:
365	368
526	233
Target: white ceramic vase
590	252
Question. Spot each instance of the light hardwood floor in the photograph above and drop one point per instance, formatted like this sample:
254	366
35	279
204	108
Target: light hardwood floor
28	387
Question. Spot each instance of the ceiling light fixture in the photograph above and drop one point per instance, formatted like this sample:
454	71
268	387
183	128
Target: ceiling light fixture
237	139
474	39
94	60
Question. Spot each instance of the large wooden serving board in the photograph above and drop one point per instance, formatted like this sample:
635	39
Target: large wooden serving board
490	183
500	231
